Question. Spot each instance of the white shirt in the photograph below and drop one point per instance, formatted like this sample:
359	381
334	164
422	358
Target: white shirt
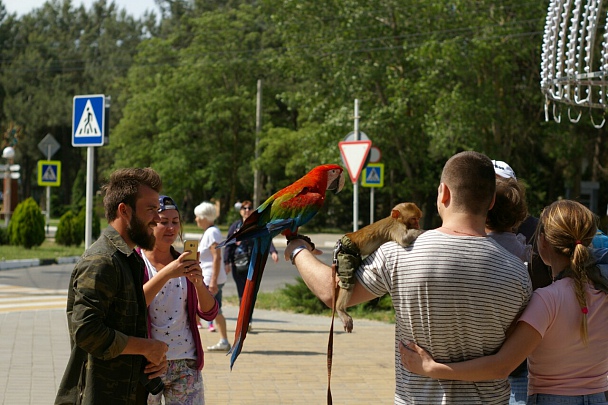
212	235
168	315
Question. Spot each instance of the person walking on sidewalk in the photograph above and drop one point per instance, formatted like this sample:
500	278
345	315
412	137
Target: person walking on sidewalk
106	307
212	265
455	291
176	293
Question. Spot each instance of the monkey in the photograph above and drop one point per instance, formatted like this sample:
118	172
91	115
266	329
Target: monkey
401	226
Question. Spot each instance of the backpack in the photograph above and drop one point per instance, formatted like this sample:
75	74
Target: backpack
242	257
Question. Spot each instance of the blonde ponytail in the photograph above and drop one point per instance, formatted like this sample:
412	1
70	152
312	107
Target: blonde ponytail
569	228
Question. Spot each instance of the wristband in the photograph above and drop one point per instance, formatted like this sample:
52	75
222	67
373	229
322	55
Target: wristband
295	252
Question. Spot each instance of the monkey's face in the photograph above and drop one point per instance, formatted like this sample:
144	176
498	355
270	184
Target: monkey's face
413	223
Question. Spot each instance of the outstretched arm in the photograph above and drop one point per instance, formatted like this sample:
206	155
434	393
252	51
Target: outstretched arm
318	276
513	352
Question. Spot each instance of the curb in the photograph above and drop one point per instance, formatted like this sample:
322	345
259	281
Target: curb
24	263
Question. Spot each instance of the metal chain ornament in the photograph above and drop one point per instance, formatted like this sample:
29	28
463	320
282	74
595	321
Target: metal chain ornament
574	66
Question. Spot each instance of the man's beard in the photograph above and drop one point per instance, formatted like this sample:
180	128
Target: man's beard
138	232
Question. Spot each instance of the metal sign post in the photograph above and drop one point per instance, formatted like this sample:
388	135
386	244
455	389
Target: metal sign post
354	152
89	130
48	146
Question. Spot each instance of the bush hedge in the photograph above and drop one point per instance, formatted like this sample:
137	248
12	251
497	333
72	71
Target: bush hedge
26	227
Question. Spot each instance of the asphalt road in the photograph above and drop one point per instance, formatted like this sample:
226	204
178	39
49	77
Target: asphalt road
57	276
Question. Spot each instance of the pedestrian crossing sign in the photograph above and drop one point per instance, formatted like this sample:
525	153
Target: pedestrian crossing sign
373	175
49	173
88	120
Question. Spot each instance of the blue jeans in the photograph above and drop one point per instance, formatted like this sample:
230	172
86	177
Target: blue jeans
519	389
568	399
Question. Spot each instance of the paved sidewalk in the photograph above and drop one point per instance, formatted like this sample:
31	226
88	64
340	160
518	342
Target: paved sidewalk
283	360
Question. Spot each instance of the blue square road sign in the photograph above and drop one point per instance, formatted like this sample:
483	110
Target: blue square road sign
88	120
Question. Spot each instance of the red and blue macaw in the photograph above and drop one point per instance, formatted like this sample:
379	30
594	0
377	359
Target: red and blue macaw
283	212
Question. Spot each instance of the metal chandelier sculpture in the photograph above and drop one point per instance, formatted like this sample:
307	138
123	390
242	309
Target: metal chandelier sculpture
574	67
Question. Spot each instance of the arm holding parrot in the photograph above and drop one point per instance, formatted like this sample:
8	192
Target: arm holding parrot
318	276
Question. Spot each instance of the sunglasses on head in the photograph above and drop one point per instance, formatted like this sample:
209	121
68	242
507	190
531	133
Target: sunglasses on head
247	208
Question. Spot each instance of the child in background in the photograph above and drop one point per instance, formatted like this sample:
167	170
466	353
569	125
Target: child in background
509	211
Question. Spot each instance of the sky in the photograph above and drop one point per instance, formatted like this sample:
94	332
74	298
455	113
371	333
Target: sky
134	7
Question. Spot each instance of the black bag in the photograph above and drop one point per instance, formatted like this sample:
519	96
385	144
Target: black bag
241	260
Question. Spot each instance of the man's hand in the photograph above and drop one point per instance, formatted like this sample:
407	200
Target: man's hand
156	351
156	370
294	243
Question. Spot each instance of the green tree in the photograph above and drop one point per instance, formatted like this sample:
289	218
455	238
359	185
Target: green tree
191	111
52	54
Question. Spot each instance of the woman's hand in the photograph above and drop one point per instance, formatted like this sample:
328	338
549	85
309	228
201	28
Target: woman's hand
195	274
179	267
415	359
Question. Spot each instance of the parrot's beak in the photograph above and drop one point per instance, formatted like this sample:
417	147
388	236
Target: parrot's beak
337	184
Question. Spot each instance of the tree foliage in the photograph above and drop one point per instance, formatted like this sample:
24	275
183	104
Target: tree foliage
432	78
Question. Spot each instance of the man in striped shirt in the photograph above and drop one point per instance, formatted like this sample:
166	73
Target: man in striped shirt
455	291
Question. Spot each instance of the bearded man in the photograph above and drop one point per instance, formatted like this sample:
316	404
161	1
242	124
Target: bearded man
106	307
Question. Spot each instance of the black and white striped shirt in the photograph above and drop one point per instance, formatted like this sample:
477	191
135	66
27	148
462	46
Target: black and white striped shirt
455	296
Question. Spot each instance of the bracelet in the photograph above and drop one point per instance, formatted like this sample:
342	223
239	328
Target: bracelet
295	252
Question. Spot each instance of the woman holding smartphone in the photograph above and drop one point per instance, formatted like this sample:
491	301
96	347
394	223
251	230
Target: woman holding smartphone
176	293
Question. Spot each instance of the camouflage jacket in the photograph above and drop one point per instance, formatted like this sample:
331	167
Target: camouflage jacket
105	306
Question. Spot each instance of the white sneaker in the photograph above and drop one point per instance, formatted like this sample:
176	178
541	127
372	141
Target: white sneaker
219	347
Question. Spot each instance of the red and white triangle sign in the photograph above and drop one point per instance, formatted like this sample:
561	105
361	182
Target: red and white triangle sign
354	154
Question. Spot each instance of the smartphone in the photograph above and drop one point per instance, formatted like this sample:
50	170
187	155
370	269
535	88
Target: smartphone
192	246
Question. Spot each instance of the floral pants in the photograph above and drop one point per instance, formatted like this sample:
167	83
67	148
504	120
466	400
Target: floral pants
183	385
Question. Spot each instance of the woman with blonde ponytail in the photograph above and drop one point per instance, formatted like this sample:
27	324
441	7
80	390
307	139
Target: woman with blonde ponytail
563	332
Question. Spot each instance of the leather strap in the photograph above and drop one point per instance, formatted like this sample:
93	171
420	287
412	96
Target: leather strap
330	343
334	298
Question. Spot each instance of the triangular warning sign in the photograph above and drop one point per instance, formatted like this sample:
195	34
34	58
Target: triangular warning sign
88	125
354	154
373	175
49	174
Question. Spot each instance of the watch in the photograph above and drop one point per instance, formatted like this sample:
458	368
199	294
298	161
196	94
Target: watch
295	252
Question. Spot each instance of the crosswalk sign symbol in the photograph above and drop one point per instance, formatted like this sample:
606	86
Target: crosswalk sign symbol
88	120
49	173
373	175
88	125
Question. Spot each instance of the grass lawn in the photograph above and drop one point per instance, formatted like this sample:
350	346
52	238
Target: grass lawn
48	250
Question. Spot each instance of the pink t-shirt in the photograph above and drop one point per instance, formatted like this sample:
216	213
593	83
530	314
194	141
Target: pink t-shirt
561	364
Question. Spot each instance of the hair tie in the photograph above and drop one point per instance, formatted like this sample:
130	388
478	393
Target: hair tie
578	242
584	310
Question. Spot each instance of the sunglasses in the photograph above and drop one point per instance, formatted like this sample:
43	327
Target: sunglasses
247	208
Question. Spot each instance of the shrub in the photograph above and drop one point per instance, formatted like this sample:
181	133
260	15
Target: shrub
4	237
71	228
67	234
80	223
301	299
26	227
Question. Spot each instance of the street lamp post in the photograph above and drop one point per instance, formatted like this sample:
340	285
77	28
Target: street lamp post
8	153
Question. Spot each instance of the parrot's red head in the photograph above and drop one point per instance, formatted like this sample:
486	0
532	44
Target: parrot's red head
335	176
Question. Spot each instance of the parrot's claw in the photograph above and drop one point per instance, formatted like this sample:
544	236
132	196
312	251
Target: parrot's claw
303	237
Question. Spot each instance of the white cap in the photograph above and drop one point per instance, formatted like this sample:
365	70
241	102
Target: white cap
503	169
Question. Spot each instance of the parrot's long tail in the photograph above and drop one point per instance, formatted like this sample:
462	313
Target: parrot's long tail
259	256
